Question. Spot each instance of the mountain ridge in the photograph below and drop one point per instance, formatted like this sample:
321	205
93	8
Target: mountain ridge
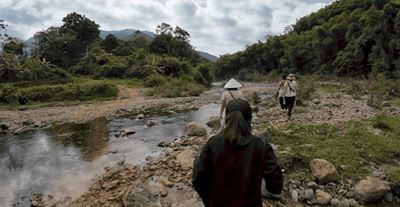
124	34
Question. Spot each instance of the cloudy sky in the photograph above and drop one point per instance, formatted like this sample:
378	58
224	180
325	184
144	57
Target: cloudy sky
216	26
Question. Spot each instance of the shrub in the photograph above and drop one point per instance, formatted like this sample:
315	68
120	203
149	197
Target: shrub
155	80
61	92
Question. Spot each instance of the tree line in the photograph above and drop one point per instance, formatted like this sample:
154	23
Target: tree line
356	38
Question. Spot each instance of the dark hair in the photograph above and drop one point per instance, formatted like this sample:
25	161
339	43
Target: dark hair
238	121
284	77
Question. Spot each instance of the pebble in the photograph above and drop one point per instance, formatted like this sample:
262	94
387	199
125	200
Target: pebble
309	194
389	197
294	195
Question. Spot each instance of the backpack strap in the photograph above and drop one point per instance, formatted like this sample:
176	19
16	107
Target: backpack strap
231	94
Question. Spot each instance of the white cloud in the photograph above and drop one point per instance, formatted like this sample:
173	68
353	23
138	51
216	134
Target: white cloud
216	26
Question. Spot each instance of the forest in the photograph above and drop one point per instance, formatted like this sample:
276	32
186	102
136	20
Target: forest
72	62
348	38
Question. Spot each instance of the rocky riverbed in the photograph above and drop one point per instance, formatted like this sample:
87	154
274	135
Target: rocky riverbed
165	180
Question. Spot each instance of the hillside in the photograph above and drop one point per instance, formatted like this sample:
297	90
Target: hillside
357	38
124	35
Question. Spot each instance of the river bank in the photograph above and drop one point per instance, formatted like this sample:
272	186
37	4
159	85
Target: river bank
166	180
167	176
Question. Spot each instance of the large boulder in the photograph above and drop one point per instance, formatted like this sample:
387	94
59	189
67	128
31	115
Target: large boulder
196	129
371	189
323	171
185	159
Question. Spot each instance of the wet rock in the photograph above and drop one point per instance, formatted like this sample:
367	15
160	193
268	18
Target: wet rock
140	116
389	197
163	144
322	198
316	101
371	189
22	130
196	129
142	198
213	122
150	123
4	126
28	122
185	159
126	132
396	189
323	171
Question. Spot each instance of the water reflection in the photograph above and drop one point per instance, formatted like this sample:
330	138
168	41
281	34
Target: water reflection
63	160
91	138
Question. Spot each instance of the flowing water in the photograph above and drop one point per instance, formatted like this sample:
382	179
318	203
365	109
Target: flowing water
62	160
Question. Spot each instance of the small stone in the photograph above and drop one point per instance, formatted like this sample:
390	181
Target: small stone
140	116
165	182
309	194
312	185
294	195
4	126
322	198
163	192
371	189
323	171
196	129
389	197
150	123
149	158
316	101
34	203
350	194
334	202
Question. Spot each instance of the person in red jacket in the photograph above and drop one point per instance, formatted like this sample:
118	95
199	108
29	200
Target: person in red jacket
230	168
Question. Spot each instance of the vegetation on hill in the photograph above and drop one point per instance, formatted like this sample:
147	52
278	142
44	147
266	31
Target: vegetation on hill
63	54
357	38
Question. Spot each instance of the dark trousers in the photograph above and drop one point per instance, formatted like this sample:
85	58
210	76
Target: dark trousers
281	101
290	104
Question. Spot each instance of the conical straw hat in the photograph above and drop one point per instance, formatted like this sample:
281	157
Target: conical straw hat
232	83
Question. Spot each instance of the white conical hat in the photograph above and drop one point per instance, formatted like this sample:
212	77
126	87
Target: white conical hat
232	83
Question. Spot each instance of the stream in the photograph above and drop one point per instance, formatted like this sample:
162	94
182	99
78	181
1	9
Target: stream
62	160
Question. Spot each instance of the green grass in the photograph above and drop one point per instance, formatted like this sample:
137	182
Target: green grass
77	90
351	146
394	175
395	101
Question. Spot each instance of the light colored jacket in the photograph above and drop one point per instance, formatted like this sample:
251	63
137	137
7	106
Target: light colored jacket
290	88
226	97
281	92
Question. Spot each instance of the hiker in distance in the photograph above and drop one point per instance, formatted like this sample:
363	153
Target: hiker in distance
232	164
290	91
231	92
281	92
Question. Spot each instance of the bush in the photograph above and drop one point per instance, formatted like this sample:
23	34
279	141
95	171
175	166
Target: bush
155	80
65	92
